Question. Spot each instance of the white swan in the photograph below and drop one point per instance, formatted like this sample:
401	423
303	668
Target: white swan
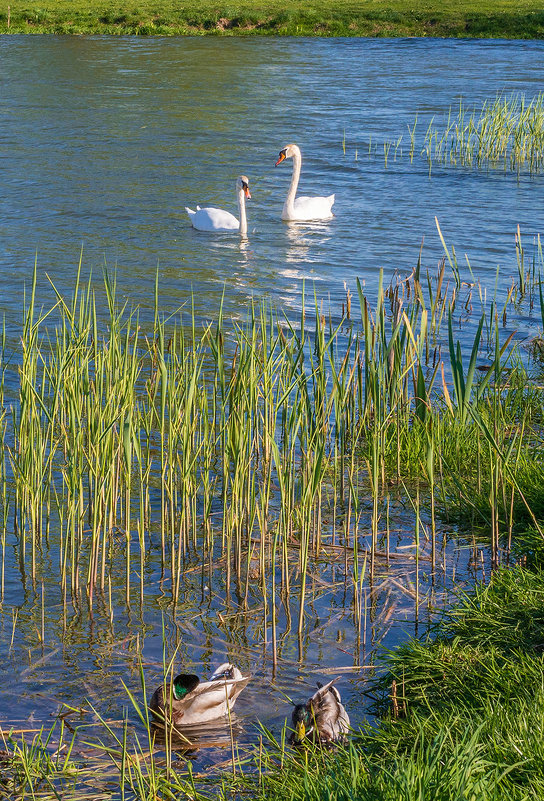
302	208
210	219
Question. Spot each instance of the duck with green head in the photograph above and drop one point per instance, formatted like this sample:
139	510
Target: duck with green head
322	719
190	702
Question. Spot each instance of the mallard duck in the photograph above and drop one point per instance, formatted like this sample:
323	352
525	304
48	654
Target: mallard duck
322	718
191	702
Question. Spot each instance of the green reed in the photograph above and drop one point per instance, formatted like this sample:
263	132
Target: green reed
507	132
229	440
256	446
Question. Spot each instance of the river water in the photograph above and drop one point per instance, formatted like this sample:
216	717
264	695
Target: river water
104	141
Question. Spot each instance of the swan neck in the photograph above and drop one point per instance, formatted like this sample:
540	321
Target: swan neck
242	212
289	207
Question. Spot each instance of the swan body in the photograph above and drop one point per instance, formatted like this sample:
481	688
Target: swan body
190	702
211	219
322	719
302	208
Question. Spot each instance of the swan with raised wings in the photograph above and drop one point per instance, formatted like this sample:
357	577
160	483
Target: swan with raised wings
302	208
210	219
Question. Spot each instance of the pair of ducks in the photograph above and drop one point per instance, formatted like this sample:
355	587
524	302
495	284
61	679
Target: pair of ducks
190	702
295	208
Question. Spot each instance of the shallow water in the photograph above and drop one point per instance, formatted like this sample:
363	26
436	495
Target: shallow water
104	141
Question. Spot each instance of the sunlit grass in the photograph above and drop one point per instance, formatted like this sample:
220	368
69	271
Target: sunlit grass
259	444
507	132
236	441
392	18
461	714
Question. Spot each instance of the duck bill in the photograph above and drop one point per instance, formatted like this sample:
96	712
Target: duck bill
300	731
281	158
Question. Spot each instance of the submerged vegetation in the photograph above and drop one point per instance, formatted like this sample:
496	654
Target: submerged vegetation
468	18
270	450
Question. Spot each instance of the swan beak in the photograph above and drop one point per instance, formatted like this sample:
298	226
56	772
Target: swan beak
247	193
281	158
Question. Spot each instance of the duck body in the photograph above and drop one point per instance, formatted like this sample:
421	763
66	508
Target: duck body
189	702
210	219
322	719
302	209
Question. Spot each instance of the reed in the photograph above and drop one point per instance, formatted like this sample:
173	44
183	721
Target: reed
507	132
230	441
265	450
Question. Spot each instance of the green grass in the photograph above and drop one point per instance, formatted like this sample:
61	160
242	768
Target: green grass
129	441
505	19
469	714
507	132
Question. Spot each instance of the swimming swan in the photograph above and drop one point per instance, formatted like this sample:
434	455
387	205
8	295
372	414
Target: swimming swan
210	219
302	208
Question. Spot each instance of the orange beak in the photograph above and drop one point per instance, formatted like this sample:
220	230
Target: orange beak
281	158
247	193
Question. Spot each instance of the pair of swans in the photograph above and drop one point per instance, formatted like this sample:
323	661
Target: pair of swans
294	209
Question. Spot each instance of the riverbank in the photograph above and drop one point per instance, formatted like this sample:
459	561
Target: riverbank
393	18
462	714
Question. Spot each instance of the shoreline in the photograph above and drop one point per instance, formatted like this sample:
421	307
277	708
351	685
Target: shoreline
458	20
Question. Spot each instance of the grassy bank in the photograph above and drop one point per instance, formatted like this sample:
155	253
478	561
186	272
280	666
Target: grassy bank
505	19
462	714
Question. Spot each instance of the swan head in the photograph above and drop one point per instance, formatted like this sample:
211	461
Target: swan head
287	153
242	185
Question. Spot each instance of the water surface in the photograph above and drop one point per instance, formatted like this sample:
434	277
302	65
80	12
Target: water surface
106	140
103	143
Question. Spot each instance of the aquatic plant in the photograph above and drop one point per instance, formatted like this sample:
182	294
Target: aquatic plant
507	132
230	440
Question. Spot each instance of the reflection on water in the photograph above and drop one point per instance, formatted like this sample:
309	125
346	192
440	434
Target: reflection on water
66	655
304	241
218	734
105	141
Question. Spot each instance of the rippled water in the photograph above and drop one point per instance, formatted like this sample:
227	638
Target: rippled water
104	142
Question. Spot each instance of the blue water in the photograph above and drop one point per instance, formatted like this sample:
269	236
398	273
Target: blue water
103	141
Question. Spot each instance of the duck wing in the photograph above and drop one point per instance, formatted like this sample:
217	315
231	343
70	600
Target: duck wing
331	719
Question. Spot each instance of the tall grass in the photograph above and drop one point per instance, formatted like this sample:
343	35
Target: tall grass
230	440
266	447
507	132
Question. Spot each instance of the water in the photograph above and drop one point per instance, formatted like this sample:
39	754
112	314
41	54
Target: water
103	143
